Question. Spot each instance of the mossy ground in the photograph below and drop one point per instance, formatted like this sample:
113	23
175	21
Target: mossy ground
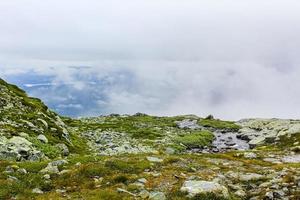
81	181
219	124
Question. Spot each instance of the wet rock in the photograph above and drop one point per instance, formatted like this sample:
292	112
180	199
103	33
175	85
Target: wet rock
194	187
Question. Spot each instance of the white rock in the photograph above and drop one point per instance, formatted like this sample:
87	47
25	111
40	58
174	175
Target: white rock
203	187
37	191
42	138
154	159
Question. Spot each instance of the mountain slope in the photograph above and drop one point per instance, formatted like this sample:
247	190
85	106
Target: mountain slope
142	157
28	129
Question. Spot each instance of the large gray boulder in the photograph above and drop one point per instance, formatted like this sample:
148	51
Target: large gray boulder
18	148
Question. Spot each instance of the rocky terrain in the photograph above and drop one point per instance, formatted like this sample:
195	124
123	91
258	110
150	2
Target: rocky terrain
47	156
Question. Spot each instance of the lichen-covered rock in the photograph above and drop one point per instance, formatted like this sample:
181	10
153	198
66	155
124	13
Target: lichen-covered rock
194	188
18	148
188	124
42	138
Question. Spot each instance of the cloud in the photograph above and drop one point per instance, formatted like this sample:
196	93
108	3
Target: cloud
232	59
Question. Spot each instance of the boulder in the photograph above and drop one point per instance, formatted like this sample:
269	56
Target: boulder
250	177
193	188
188	124
63	149
42	138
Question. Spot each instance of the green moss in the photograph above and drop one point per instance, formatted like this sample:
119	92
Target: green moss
219	124
195	139
49	150
128	166
33	167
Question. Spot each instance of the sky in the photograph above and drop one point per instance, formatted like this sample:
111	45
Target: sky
233	59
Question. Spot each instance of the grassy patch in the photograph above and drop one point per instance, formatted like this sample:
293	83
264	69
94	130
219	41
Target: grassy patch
195	139
219	124
128	166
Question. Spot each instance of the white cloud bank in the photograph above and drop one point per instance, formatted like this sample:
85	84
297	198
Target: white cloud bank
233	59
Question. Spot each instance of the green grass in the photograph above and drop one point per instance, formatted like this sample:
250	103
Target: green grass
195	139
129	166
139	127
219	124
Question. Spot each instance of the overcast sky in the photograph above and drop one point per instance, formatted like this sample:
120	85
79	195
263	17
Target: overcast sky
234	59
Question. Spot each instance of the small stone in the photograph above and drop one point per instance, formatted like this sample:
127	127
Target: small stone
240	193
9	170
154	159
250	177
63	148
144	194
50	170
278	194
269	195
60	191
37	191
12	178
170	150
250	155
142	180
157	196
47	176
42	138
22	171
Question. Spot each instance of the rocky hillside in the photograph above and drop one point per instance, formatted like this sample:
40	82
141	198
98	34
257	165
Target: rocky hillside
45	156
28	129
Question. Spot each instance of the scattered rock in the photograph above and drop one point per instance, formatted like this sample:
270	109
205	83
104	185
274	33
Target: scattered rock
188	124
52	167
